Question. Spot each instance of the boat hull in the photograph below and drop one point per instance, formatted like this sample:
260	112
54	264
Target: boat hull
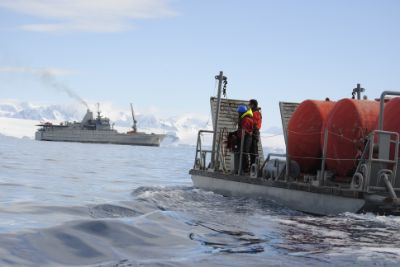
102	137
310	202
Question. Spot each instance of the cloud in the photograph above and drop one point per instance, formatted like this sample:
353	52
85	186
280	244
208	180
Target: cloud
37	71
88	15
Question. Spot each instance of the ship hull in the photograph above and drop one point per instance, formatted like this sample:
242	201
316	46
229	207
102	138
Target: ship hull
102	137
301	200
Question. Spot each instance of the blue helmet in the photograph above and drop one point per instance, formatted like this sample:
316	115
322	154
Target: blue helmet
241	109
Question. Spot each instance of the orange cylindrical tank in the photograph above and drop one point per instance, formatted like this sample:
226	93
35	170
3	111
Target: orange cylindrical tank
304	131
391	118
348	124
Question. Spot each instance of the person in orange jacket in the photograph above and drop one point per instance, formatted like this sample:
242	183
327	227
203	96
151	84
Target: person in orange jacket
245	125
257	119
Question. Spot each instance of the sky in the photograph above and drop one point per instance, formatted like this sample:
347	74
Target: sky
163	55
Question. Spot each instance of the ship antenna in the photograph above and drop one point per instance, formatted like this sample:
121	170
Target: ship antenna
134	121
221	79
98	110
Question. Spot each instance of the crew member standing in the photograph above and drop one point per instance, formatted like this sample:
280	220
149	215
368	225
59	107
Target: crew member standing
257	119
245	125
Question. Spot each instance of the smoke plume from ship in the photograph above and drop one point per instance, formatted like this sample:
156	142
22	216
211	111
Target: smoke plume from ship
49	80
47	77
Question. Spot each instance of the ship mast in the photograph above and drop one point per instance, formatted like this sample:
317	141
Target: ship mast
134	121
214	158
98	111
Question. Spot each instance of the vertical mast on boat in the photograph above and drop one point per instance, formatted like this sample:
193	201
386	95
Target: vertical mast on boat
134	121
214	158
98	111
357	91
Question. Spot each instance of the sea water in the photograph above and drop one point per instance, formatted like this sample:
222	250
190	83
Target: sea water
71	204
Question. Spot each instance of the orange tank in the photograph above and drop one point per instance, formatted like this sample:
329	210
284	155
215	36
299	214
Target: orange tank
348	124
304	131
391	118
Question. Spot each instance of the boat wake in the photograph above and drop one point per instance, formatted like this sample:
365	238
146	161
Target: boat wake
183	226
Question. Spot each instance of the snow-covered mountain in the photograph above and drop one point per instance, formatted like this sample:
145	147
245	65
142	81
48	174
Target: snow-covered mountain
18	119
24	110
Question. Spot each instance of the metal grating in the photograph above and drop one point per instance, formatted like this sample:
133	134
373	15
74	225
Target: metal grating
287	109
228	120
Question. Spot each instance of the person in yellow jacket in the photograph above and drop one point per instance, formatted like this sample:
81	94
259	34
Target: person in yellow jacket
246	126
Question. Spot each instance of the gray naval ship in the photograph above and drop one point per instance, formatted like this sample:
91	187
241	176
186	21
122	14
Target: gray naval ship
95	130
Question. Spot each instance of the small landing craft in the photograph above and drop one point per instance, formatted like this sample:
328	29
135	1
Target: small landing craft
96	130
340	156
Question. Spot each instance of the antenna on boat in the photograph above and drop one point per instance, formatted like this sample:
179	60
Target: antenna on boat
221	79
134	121
358	90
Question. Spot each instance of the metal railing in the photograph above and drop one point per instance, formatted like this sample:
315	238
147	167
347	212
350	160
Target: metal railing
200	161
386	158
377	166
203	157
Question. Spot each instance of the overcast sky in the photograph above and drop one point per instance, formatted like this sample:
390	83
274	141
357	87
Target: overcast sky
163	55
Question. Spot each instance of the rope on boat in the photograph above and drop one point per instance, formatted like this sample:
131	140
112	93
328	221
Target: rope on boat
329	132
320	158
